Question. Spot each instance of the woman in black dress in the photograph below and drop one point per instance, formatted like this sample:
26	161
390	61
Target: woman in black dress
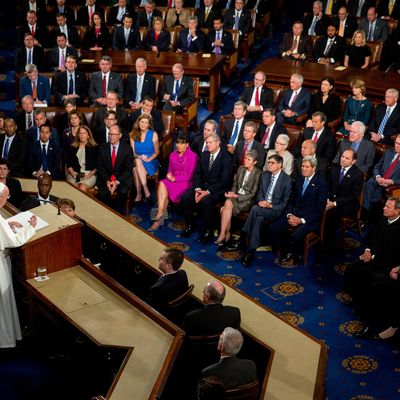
157	38
358	53
98	36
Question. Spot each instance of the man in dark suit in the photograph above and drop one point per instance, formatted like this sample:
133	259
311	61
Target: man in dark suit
316	23
198	145
214	317
231	370
114	169
218	40
25	117
116	14
272	198
61	8
28	54
13	148
211	180
141	80
38	6
57	56
375	29
70	32
70	84
35	85
331	7
359	8
177	90
111	105
294	102
238	18
145	17
319	133
248	143
84	14
14	187
44	156
232	131
126	36
38	31
296	44
269	129
364	148
303	215
390	57
104	80
345	24
257	97
207	13
32	134
384	9
386	173
101	133
387	118
172	283
191	39
329	49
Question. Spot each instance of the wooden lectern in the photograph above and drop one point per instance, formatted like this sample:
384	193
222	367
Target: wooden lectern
56	247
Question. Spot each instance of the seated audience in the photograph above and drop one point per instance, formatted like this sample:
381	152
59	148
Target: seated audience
207	13
126	36
35	85
296	44
146	16
345	24
364	148
198	144
118	11
28	54
111	105
315	23
357	107
25	117
219	41
269	129
101	134
145	146
81	165
33	134
97	37
62	9
157	38
70	32
147	108
45	183
232	131
37	29
375	29
179	178
358	53
177	15
281	145
238	18
57	56
14	187
214	317
85	13
233	371
330	48
192	38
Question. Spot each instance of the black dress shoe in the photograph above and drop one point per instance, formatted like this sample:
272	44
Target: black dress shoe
187	232
365	333
232	245
205	237
247	259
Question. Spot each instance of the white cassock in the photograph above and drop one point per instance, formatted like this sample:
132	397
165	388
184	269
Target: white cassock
10	330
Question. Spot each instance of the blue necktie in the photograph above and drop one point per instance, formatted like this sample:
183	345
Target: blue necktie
384	121
236	24
71	85
6	148
235	133
44	158
149	19
341	176
175	95
30	56
305	184
189	41
311	31
268	197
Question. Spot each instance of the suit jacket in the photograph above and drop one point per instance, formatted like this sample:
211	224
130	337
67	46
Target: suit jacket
104	39
266	99
15	189
244	21
195	45
326	145
336	4
33	201
365	154
68	12
21	58
90	158
53	158
352	7
227	130
232	371
40	11
183	18
73	36
148	87
208	23
158	123
16	155
322	168
300	106
134	42
304	46
250	188
381	32
162	42
350	26
226	39
185	94
53	56
336	52
100	135
142	19
211	319
197	144
392	125
238	154
384	163
32	135
320	26
41	34
43	88
122	169
122	117
96	85
113	14
383	9
20	119
61	86
276	131
346	193
83	15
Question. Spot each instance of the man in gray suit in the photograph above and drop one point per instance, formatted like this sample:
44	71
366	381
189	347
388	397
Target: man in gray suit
375	28
104	80
364	148
272	198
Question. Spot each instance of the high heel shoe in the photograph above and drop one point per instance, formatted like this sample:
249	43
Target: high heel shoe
156	225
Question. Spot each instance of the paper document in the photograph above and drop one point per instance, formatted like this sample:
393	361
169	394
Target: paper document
24	217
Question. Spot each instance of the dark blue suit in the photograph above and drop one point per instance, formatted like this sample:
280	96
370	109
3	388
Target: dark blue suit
32	135
300	106
310	207
119	42
162	42
53	158
43	88
195	45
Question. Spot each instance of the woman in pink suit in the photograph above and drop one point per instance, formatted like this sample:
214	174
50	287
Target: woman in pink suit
182	164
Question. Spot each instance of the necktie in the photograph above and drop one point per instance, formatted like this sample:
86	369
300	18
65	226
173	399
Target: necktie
265	137
211	162
311	31
391	6
228	3
328	47
341	28
90	16
257	97
44	158
360	6
236	25
206	13
34	91
305	184
246	146
33	31
6	148
170	4
189	41
235	133
294	45
62	59
268	197
113	158
370	32
104	86
315	137
341	175
29	121
149	19
197	5
121	12
139	89
388	173
293	99
30	56
71	85
328	9
176	90
217	48
384	121
126	36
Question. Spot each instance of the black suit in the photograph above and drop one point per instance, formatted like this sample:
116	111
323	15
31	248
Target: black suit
208	23
158	123
211	319
383	9
304	46
336	51
32	135
148	87
41	34
326	145
392	125
61	87
227	130
83	15
99	115
195	45
244	21
22	124
113	14
15	189
40	11
16	155
336	4
162	42
185	94
21	58
216	180
142	18
350	26
96	85
197	145
277	130
265	97
322	168
68	12
238	154
352	7
320	26
53	158
226	40
33	201
133	43
53	56
73	36
100	135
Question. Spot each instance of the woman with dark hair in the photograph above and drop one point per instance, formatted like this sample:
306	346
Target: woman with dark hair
82	160
157	38
98	36
75	120
358	53
182	164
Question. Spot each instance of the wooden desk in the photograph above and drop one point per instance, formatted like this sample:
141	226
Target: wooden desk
279	71
194	65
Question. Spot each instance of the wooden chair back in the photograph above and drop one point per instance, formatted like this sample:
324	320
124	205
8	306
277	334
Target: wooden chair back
243	392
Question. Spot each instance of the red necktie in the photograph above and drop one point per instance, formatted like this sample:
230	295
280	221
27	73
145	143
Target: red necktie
113	158
169	3
315	137
104	86
265	137
294	45
33	31
391	168
34	91
293	100
257	97
90	16
244	152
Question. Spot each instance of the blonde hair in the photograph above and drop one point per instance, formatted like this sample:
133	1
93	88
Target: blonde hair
90	143
362	33
358	83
